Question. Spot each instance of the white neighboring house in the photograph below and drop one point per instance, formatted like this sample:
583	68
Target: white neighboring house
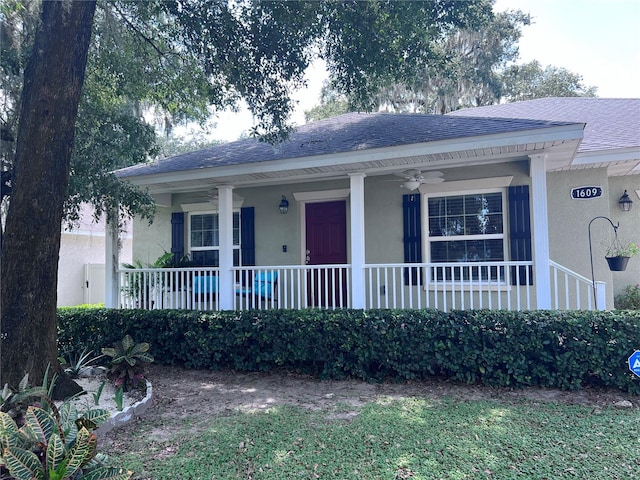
81	265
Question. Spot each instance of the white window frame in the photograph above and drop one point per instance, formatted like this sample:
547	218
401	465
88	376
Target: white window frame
214	248
427	240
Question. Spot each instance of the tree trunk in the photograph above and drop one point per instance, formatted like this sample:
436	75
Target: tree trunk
53	82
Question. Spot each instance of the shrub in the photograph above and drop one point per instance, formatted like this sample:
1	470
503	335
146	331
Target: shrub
15	403
129	361
629	299
46	443
560	349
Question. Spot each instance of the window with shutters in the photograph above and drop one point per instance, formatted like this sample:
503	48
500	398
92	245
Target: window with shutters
468	227
204	239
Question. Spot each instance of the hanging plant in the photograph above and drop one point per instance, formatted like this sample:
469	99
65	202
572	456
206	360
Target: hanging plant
619	253
617	264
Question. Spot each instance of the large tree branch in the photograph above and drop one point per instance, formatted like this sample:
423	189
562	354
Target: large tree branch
140	33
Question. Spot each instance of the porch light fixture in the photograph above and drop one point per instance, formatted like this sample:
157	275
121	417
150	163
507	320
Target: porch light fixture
625	202
284	205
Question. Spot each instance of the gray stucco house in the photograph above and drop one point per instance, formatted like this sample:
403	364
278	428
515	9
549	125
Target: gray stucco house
476	209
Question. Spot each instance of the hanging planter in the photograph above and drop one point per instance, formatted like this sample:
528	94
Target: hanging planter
618	254
617	264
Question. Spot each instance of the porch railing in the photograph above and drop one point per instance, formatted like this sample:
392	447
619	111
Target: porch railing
308	286
156	288
572	291
449	286
444	286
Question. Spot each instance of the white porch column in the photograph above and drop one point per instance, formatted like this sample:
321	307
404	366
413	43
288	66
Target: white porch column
111	262
601	296
540	227
357	240
225	217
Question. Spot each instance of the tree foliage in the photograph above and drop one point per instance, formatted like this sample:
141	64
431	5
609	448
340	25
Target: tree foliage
476	67
182	58
470	75
332	103
530	80
185	59
108	134
259	51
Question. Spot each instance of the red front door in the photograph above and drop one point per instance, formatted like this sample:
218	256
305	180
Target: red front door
326	239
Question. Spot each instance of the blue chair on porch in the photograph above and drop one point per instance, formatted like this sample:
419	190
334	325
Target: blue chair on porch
205	288
264	288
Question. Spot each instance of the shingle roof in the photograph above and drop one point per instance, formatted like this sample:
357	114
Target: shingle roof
611	123
346	133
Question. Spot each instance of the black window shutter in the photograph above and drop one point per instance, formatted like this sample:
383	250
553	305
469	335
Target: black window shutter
177	235
520	233
412	230
248	238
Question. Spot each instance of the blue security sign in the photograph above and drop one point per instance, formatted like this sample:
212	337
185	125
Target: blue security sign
634	362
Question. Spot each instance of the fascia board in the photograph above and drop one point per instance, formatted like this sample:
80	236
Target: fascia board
607	155
572	132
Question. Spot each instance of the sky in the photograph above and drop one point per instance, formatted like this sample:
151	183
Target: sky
598	39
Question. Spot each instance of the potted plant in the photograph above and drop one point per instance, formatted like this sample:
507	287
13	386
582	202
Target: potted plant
143	287
618	254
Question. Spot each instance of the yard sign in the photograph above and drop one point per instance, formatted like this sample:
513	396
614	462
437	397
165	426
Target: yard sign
634	362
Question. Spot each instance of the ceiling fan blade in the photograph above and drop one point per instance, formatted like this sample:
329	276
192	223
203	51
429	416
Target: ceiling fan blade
433	180
432	174
414	178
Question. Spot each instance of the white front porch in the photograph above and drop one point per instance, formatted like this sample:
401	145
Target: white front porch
443	286
393	253
512	285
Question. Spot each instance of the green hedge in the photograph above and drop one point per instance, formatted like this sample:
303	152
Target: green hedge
567	350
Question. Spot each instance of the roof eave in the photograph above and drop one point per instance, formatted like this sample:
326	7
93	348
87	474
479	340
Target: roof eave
570	133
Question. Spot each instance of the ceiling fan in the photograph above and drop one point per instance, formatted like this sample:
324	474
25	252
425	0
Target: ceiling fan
414	178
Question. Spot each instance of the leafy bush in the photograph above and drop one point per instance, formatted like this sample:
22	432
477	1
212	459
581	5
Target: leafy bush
560	349
15	403
48	443
129	361
629	299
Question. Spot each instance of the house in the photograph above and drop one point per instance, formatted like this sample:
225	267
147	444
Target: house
81	276
391	211
608	157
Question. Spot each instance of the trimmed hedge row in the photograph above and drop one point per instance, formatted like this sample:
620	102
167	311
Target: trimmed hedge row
567	350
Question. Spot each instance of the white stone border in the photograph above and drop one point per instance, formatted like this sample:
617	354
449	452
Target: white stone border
118	419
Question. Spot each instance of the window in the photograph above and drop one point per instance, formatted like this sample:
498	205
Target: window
204	239
467	228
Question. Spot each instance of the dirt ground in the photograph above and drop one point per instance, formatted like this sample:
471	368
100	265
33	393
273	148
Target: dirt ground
180	393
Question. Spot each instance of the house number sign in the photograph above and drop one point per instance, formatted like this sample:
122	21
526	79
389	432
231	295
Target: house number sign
583	193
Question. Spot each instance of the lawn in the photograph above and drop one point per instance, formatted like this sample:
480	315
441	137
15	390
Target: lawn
406	438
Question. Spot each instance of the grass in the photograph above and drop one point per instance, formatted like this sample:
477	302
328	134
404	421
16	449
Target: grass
400	439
